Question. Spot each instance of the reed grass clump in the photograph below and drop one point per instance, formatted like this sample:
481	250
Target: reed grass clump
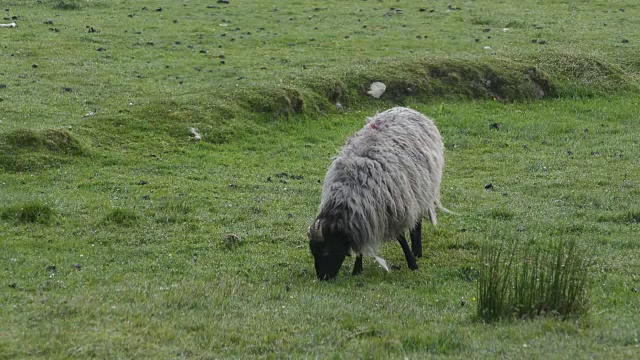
526	281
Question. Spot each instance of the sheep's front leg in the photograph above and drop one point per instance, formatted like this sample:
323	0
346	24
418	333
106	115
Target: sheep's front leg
411	260
357	267
416	239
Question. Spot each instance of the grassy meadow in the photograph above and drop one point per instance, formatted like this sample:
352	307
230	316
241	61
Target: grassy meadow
122	237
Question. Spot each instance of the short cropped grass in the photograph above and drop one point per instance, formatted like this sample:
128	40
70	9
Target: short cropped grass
232	276
162	246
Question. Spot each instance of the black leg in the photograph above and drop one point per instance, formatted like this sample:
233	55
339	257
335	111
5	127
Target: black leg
357	267
416	239
411	260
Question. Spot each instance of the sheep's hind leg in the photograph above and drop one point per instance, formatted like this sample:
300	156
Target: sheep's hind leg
357	267
416	239
411	259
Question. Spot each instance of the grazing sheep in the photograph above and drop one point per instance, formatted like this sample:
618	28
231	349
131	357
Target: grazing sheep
384	182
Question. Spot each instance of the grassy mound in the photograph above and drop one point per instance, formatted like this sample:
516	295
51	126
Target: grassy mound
32	212
25	150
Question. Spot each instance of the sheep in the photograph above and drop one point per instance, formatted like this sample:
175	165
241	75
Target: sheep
385	180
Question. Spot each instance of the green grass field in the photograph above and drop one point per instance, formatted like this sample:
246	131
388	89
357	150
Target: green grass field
121	237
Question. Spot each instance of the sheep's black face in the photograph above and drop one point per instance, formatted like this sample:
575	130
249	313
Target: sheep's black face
328	258
328	252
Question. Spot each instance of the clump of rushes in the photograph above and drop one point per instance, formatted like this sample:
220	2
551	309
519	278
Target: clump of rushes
531	281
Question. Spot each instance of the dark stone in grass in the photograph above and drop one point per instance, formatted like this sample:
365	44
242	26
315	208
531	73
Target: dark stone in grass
67	89
625	41
542	42
476	40
3	86
51	268
223	1
146	197
77	266
569	152
422	10
203	51
159	9
13	285
48	22
222	62
494	126
489	186
534	41
142	182
486	30
101	49
149	42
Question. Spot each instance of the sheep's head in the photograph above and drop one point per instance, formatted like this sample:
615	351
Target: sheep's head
328	247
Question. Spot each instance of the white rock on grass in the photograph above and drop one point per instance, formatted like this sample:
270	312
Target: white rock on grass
195	134
376	89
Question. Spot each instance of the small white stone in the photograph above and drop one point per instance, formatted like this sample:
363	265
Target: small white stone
487	47
377	89
195	134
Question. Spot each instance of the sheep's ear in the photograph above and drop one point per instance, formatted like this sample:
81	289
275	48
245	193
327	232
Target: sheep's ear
315	232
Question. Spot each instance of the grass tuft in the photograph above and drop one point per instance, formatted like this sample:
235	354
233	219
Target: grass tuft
629	217
528	282
32	212
67	5
122	217
232	241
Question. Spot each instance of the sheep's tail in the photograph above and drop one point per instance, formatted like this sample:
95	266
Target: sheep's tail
432	213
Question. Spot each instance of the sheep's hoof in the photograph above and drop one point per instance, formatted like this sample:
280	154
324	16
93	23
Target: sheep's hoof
414	267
